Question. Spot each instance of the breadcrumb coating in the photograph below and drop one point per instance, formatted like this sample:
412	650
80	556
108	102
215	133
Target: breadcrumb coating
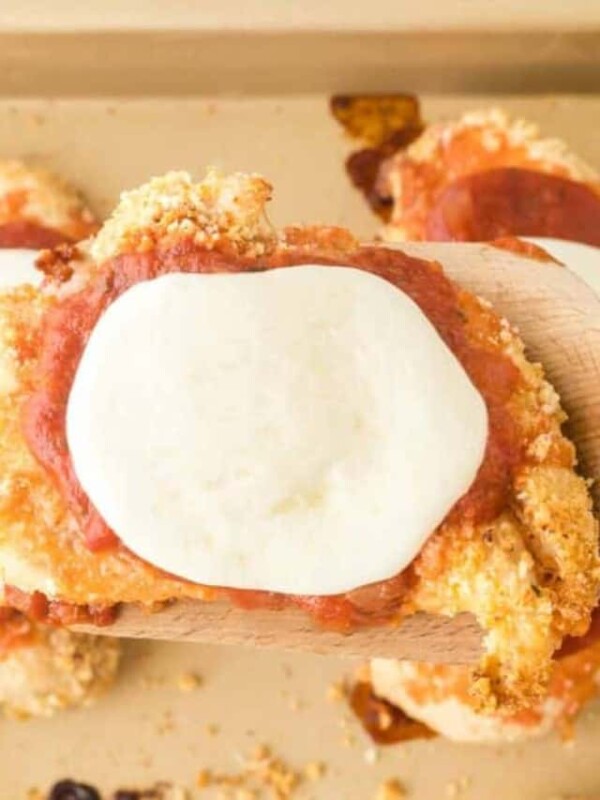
530	577
58	670
218	210
478	141
48	669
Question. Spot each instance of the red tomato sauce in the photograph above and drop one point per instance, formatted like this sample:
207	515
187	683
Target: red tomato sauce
522	248
28	235
69	324
36	607
15	631
514	202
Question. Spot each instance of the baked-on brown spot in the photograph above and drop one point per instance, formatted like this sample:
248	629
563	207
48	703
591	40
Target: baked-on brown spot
373	119
383	124
385	723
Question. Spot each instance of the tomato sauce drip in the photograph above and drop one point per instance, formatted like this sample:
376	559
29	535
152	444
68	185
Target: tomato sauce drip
514	202
15	631
28	235
520	247
68	326
38	608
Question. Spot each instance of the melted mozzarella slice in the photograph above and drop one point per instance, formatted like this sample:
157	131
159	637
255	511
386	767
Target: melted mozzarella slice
299	430
17	266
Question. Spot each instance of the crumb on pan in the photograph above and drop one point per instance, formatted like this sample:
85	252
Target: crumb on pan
262	772
336	692
391	789
189	681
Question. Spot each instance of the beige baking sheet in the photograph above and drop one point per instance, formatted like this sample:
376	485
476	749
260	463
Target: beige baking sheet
308	15
147	729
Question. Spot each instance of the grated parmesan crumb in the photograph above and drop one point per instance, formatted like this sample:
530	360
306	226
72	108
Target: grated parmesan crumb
262	774
336	692
391	789
188	681
314	770
458	787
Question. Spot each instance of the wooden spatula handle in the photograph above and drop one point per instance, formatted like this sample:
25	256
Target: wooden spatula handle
422	637
558	316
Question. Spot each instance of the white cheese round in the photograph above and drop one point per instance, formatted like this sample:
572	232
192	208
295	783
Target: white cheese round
17	266
299	430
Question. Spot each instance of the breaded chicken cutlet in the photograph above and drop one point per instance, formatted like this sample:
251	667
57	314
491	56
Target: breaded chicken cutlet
439	697
480	177
519	550
485	176
43	669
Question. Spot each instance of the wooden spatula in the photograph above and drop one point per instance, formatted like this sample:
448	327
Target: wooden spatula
558	316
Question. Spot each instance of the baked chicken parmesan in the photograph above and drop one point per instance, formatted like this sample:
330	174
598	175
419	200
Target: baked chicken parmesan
196	405
414	699
42	669
485	176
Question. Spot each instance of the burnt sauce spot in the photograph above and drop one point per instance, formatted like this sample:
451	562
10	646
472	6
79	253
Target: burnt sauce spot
72	790
384	722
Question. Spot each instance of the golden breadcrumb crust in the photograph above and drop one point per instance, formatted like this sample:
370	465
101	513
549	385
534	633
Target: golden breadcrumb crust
29	194
58	669
478	141
52	669
530	577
